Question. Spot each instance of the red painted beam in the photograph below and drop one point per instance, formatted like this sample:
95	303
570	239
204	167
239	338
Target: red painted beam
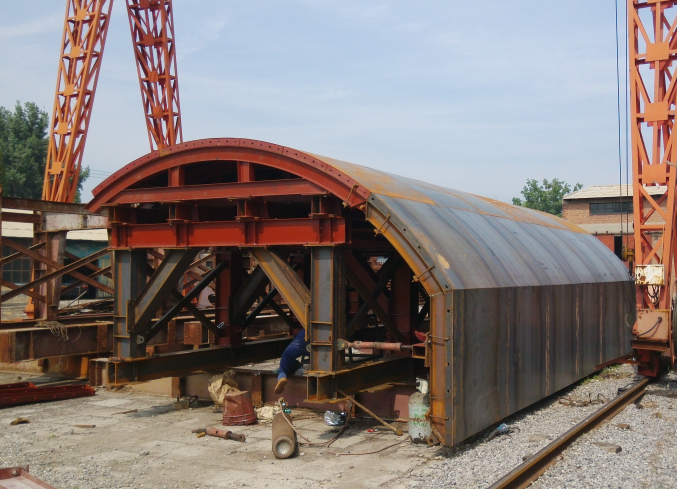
16	385
42	394
271	188
272	232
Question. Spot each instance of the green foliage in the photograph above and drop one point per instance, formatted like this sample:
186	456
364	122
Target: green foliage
23	143
84	175
546	197
23	151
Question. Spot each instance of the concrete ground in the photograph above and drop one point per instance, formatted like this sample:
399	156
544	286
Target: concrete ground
155	448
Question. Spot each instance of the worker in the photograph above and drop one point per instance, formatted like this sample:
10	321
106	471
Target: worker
289	362
206	299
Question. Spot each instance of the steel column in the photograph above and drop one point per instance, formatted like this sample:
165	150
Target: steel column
228	283
328	308
55	249
130	276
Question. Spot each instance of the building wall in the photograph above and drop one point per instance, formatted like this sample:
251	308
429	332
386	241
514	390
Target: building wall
608	240
578	212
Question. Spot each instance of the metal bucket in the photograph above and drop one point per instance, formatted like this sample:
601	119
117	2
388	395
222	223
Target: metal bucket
238	409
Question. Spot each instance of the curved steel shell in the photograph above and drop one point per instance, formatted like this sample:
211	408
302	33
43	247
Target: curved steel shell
475	242
522	303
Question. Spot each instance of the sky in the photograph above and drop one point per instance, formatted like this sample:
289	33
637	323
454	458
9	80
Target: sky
475	96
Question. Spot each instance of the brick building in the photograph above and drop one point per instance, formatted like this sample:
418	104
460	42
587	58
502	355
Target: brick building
599	210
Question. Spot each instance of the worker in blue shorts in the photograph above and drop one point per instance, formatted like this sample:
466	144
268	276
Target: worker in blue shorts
289	362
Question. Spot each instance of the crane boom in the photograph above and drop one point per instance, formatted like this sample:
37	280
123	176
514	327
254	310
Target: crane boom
85	29
152	26
84	38
652	42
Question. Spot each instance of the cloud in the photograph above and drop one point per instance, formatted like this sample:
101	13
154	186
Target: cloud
197	26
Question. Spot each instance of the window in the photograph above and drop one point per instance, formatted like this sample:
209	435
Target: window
611	208
17	271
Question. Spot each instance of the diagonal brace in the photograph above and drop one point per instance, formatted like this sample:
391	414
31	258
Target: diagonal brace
268	299
286	281
198	314
60	270
159	286
386	273
176	308
251	289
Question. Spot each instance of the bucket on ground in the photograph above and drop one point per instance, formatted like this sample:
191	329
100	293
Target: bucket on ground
238	409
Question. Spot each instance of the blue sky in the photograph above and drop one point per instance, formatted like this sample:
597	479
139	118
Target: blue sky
476	96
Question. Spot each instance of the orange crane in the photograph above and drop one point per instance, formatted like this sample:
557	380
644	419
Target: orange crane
652	50
84	38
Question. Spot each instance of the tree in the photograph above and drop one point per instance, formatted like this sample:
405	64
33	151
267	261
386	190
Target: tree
23	151
546	197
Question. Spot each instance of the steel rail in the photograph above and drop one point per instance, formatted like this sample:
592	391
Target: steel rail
529	471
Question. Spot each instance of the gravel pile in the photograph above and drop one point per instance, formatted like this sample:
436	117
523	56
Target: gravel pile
61	466
648	456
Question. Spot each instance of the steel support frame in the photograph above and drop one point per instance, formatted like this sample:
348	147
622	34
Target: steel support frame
182	301
119	371
371	293
158	288
387	370
130	273
652	40
244	297
374	282
36	343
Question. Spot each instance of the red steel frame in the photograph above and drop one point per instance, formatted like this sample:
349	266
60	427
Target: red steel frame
84	37
184	231
652	39
152	26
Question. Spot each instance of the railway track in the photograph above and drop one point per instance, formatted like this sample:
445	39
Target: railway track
529	471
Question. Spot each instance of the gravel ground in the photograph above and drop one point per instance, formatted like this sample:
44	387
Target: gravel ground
649	448
155	449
